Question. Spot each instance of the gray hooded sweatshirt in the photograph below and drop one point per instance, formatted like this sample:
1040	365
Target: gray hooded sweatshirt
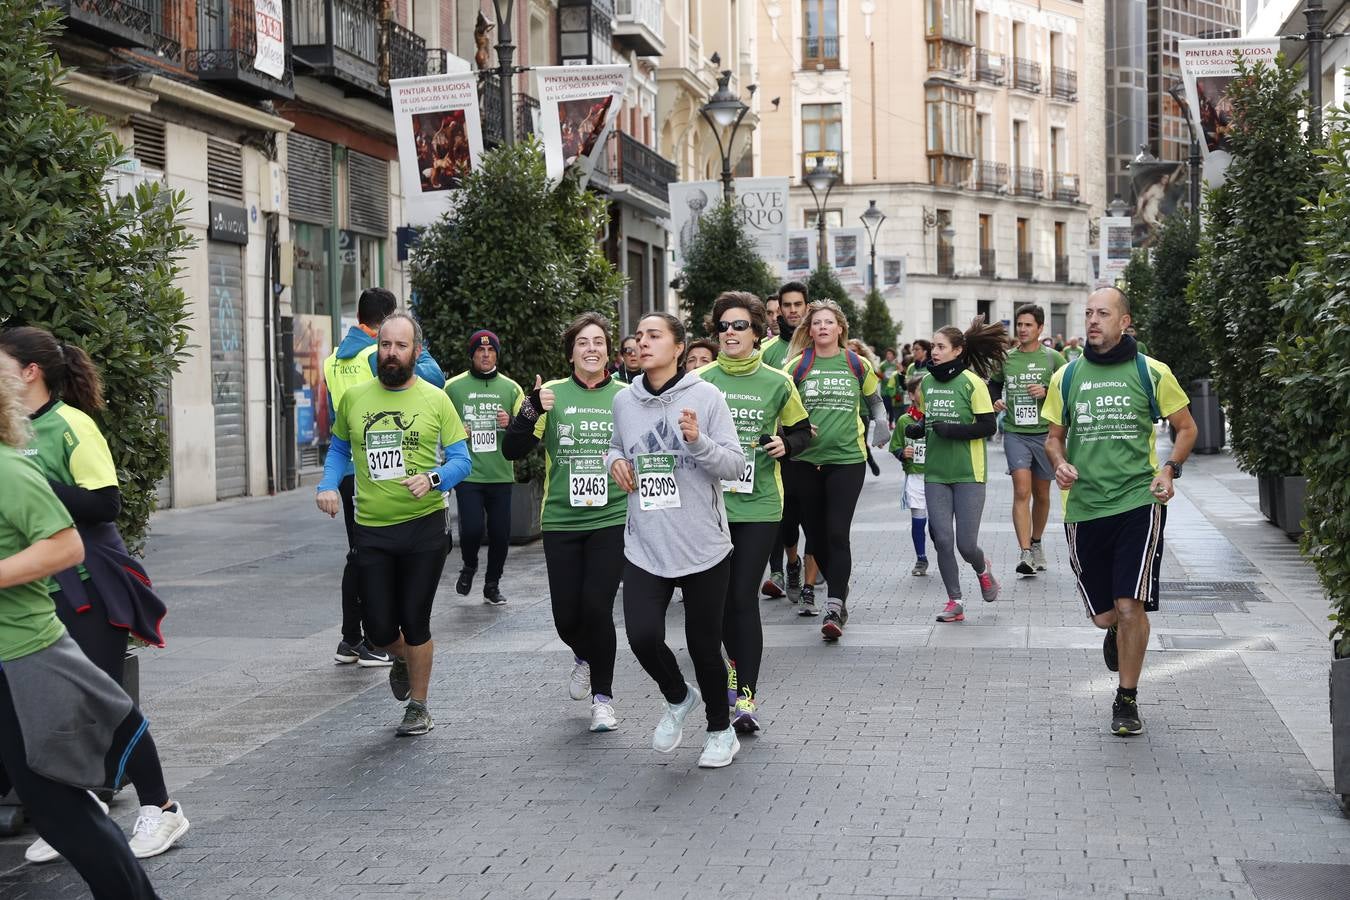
672	541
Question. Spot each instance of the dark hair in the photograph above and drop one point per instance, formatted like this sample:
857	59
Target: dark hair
577	325
704	343
925	344
626	338
376	305
674	324
67	370
984	346
759	316
796	286
772	298
913	384
1030	309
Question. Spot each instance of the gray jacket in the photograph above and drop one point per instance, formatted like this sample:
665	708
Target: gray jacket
695	536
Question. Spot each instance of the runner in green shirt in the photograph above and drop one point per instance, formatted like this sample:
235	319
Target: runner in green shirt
772	425
584	509
959	416
828	476
912	453
1101	411
1018	389
410	448
485	400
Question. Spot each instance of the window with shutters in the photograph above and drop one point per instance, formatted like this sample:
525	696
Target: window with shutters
148	141
367	194
224	170
309	179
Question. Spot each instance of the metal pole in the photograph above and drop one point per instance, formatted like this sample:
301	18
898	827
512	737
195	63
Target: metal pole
1316	16
727	193
1195	182
505	73
821	255
872	268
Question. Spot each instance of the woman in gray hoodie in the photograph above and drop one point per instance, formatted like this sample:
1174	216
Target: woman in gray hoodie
674	443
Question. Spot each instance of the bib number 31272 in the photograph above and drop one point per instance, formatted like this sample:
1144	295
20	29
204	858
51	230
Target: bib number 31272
656	485
384	455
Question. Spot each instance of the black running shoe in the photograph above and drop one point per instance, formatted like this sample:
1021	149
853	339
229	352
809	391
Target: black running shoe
1109	650
1125	719
808	602
400	682
492	594
465	582
794	575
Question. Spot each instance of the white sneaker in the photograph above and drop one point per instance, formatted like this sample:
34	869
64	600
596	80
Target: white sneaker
719	750
156	830
670	730
580	686
602	717
42	852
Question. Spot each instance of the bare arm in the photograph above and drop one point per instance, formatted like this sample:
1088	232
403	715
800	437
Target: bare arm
1184	424
1065	473
46	557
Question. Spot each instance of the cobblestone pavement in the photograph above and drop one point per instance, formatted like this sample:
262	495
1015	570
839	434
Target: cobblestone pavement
913	759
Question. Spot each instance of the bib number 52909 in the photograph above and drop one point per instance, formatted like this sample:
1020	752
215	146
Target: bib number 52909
656	485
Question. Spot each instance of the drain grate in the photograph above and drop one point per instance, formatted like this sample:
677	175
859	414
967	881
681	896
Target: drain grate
1188	606
1211	590
1296	881
1214	642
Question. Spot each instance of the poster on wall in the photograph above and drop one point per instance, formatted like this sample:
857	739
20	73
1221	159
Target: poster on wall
440	140
577	109
761	207
801	253
892	273
269	38
689	200
847	254
312	341
1159	189
1208	68
1117	245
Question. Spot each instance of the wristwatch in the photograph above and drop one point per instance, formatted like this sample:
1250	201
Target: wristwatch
1176	468
435	479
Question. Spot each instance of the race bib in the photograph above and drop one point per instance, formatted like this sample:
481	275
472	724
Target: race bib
657	488
746	483
920	452
587	481
384	455
1026	414
484	440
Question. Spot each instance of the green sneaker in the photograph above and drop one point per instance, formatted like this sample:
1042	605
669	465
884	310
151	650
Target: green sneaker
732	691
399	680
416	720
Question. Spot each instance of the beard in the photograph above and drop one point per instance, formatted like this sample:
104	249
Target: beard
394	372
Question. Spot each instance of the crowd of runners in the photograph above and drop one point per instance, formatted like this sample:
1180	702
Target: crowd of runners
727	469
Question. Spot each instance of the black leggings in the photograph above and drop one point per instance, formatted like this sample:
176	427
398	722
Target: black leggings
351	597
70	820
741	629
106	647
646	597
476	502
583	576
828	495
400	570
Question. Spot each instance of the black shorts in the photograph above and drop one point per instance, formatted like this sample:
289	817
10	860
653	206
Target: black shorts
398	570
1118	556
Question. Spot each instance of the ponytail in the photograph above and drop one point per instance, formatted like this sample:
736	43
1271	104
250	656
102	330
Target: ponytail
67	370
984	347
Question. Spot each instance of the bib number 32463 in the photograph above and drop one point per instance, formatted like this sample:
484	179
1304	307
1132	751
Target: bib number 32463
384	455
746	483
656	485
587	481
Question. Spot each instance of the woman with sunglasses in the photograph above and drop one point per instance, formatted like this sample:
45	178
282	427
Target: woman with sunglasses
772	425
834	383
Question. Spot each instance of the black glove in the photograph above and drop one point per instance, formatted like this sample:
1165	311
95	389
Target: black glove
914	431
942	429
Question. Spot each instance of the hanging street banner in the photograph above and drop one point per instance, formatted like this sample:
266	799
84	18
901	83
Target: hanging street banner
440	140
892	274
269	38
1117	244
577	109
1159	189
761	206
847	252
1208	68
689	200
801	253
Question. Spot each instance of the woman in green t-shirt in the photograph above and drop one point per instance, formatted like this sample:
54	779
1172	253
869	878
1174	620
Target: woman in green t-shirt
958	417
828	476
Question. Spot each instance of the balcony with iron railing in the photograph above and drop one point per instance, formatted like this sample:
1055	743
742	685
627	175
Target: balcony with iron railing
1062	269
227	49
1065	187
948	58
990	176
990	68
527	114
1063	83
946	259
524	106
820	51
642	168
403	53
1024	266
638	26
438	61
1026	75
988	262
1028	182
152	24
339	40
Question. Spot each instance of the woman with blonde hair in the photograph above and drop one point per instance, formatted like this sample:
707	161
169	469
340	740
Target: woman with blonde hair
834	382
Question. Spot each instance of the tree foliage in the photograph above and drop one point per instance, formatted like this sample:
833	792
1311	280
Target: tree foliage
824	284
722	257
96	272
1138	284
1165	323
1311	363
1255	234
877	328
520	257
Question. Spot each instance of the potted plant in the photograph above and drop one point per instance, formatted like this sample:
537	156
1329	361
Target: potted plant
1311	361
1255	233
518	255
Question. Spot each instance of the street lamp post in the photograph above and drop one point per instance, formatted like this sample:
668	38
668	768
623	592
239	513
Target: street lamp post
872	220
505	67
725	110
820	181
1316	15
1194	155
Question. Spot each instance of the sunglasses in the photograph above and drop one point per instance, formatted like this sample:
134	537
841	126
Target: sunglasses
629	351
737	325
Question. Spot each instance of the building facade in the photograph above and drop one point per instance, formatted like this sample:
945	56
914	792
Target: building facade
1269	18
970	126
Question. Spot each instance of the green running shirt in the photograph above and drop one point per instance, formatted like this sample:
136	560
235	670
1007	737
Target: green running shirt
476	401
960	400
759	400
833	399
1111	435
1020	371
30	513
900	442
579	492
395	435
68	448
773	351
